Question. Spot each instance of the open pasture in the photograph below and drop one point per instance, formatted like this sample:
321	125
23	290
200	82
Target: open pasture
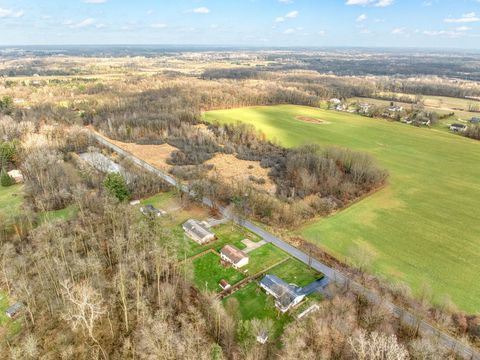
421	228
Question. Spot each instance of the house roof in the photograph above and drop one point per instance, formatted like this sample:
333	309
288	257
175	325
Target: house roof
233	253
283	292
15	308
197	228
459	125
224	283
286	293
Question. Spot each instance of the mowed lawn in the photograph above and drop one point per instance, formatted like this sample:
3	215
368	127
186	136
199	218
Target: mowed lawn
424	226
208	271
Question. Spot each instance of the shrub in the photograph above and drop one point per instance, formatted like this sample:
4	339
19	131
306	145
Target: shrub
8	151
5	179
116	186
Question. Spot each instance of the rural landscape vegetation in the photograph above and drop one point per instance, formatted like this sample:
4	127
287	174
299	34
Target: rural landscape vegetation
224	202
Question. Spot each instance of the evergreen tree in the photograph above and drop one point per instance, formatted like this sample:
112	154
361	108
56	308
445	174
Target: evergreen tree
116	186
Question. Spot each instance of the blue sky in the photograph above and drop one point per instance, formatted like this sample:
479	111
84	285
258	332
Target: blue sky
395	23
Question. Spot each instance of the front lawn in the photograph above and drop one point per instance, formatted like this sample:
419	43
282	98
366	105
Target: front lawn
159	200
208	271
264	257
295	272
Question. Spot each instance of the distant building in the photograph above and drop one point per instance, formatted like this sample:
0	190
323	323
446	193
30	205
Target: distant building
364	108
16	175
234	256
395	108
458	127
198	231
14	310
150	210
475	120
335	101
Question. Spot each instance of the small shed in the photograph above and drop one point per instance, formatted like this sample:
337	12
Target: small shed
14	310
150	210
262	336
16	175
224	284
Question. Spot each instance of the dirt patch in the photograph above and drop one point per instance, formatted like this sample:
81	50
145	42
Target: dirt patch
229	167
155	155
311	120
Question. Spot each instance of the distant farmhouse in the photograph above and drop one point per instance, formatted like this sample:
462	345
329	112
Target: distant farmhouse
234	256
288	295
198	231
475	120
458	127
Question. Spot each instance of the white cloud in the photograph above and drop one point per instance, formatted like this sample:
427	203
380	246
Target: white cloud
279	19
466	18
286	1
159	26
463	28
445	33
80	24
376	3
362	17
398	31
201	10
9	13
290	31
292	14
95	1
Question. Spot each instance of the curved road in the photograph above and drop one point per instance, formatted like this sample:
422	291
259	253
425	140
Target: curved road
406	317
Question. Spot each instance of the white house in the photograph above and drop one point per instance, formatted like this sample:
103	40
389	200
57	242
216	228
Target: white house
285	295
458	127
234	256
198	231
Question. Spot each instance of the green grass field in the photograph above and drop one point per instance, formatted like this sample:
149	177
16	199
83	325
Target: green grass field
254	303
264	257
11	199
208	272
295	272
423	227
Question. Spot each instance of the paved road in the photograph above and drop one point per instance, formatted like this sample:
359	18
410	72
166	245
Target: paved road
336	276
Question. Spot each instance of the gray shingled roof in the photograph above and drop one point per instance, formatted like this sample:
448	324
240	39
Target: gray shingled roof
197	228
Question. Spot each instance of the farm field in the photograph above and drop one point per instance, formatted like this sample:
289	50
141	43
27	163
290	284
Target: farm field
423	227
